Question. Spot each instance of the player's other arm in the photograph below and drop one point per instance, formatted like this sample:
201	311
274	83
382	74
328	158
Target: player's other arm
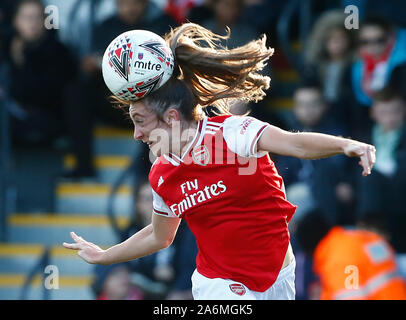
311	145
154	237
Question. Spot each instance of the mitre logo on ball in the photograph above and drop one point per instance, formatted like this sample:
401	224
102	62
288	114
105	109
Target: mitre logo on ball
136	63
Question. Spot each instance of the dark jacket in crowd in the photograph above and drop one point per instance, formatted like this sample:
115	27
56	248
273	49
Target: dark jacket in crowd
105	32
41	80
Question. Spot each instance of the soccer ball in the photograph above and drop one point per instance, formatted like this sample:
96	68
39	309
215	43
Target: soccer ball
136	63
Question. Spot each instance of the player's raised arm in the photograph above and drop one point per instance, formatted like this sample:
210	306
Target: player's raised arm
154	237
309	145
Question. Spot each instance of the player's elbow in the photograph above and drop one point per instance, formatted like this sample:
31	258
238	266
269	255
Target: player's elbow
164	242
167	243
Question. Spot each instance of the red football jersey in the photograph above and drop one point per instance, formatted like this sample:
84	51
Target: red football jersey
232	198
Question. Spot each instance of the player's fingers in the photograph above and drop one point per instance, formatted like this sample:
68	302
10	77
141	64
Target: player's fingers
76	237
371	158
364	162
74	246
372	154
370	161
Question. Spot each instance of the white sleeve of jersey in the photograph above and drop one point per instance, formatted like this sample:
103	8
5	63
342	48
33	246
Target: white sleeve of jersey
160	207
242	133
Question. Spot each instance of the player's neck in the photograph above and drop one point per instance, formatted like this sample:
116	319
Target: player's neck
187	135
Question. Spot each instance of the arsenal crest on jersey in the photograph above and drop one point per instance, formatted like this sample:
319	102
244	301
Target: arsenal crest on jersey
237	288
201	155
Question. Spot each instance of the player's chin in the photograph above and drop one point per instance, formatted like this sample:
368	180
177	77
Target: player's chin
156	150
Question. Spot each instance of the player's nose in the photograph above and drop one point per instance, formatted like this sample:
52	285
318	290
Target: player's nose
138	135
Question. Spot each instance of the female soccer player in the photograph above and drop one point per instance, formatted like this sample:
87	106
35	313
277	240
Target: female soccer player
216	172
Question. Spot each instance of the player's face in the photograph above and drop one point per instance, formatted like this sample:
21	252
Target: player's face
149	129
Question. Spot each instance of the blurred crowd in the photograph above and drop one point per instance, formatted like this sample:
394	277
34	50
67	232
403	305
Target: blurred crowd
352	84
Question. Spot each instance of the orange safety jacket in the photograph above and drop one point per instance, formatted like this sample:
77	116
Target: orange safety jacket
356	264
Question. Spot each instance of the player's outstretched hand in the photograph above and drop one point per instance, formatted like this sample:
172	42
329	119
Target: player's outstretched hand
366	153
88	251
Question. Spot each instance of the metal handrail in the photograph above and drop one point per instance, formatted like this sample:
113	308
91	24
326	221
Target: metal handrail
38	268
4	136
5	156
130	170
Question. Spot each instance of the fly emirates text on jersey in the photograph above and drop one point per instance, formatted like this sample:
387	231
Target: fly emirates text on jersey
195	195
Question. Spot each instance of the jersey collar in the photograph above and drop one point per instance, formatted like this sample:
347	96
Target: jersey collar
197	139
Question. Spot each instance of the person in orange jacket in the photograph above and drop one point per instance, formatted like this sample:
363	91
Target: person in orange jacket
354	263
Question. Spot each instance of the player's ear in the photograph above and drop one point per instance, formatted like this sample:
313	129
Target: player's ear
171	116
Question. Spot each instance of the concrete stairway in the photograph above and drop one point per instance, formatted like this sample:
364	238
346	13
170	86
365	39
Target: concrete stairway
80	206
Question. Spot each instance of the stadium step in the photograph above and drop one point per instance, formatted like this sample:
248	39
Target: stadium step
17	261
281	104
92	198
21	258
53	229
113	141
79	206
69	287
108	167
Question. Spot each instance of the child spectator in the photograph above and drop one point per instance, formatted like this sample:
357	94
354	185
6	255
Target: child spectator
167	271
114	283
383	191
315	184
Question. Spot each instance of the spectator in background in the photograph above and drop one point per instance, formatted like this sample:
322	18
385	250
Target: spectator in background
201	12
40	69
184	262
351	263
7	8
41	77
114	283
6	14
328	57
131	14
91	95
382	47
155	272
179	9
228	13
263	15
381	196
167	271
324	184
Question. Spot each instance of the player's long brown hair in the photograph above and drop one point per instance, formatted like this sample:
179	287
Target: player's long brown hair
207	73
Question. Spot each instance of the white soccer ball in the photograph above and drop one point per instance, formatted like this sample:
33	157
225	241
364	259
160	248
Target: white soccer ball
136	63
